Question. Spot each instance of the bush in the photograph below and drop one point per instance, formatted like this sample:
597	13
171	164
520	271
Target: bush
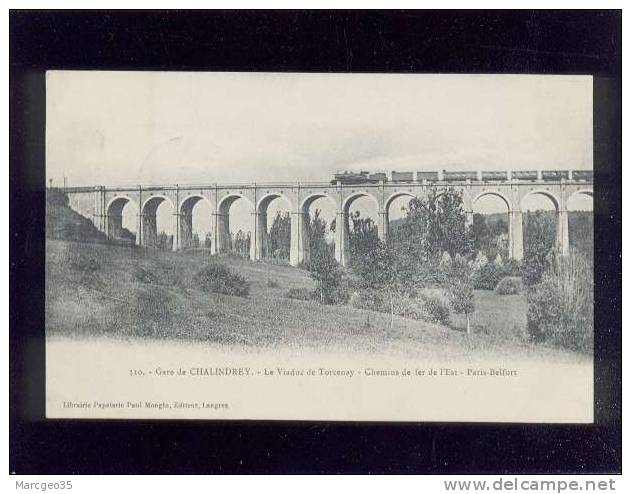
488	276
325	271
218	278
561	307
300	294
272	283
153	304
340	294
151	311
369	299
480	261
435	309
427	307
512	267
534	266
408	307
509	285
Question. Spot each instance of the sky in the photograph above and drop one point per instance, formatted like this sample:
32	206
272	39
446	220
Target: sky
122	128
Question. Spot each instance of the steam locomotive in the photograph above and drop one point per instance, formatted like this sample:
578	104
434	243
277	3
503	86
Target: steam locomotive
352	178
364	177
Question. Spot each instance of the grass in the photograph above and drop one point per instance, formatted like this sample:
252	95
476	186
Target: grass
128	293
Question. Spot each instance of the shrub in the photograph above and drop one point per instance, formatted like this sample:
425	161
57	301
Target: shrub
369	299
561	307
480	261
151	311
434	309
325	271
512	267
445	261
460	288
340	293
407	307
534	265
153	304
427	307
272	283
488	276
218	278
509	285
300	294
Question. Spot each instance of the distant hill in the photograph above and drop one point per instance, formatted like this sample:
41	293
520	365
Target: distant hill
491	220
580	224
64	223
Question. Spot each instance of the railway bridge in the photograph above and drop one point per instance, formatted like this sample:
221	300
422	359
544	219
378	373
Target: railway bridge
104	206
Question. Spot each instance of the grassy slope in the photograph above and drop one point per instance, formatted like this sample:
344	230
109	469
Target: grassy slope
125	292
62	222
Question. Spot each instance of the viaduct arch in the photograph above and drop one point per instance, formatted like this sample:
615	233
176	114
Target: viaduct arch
104	205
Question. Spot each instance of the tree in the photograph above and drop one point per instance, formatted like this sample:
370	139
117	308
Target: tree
279	239
539	239
324	269
240	243
363	239
482	234
164	241
490	234
581	232
317	234
208	242
382	270
561	306
460	289
432	226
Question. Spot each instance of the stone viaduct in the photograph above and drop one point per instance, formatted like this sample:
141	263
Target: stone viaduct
104	206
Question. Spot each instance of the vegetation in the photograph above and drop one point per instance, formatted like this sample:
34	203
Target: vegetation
273	283
426	307
325	271
429	265
539	240
435	309
561	306
363	240
509	285
164	241
66	224
208	242
108	303
300	294
279	238
240	243
218	278
317	235
460	289
487	276
490	234
432	226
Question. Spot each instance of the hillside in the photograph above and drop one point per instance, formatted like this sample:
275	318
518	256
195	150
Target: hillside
101	290
62	222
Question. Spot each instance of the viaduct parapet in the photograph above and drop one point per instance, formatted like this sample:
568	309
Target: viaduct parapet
104	206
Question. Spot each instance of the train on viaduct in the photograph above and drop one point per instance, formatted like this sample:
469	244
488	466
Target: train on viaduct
104	205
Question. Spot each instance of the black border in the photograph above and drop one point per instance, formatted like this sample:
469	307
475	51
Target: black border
566	42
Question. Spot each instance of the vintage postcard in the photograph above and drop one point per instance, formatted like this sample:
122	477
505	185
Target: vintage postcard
346	247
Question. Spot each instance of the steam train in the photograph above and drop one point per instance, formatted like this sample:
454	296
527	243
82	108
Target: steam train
364	177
